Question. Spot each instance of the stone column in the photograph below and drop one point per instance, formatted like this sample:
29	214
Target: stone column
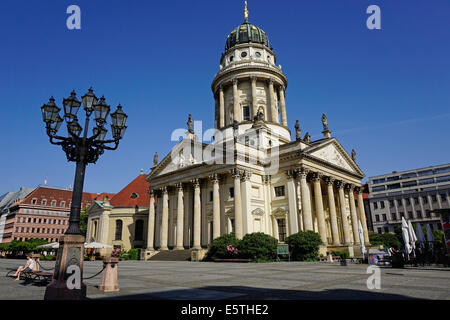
292	199
180	218
362	215
254	101
354	215
306	203
282	106
236	113
216	206
197	214
345	226
247	225
237	203
275	228
221	108
151	221
165	219
333	217
319	207
273	109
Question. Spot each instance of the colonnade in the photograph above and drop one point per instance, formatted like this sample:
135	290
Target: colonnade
276	93
337	223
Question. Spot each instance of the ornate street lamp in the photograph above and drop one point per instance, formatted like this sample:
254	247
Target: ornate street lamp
82	150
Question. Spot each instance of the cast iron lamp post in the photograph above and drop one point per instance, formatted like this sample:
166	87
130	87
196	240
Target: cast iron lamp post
82	150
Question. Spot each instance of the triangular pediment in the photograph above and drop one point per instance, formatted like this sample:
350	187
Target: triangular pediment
181	156
332	152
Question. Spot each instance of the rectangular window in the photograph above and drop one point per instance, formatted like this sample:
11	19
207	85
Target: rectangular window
394	178
426	181
419	214
394	186
409	175
428	213
231	192
425	200
386	229
399	203
394	216
410	214
246	113
376	181
425	173
379	230
279	191
382	204
408	202
409	184
443	197
282	229
211	196
391	203
379	188
377	218
384	217
434	198
375	205
416	200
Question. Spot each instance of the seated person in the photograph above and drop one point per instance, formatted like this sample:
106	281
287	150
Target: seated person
27	268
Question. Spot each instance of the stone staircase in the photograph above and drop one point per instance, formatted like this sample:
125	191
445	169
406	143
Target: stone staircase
172	255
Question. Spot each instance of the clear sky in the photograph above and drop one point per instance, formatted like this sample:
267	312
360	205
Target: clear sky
386	92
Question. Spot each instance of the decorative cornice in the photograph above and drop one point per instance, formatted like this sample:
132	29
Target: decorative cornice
303	172
214	178
316	176
235	173
339	184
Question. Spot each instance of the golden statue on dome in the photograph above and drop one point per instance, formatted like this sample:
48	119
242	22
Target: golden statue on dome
245	12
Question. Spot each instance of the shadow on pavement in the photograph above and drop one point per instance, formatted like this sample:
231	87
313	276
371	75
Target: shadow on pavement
249	293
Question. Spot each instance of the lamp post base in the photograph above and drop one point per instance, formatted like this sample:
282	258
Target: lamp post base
67	282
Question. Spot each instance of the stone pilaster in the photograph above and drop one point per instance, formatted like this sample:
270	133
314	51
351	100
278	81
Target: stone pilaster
216	206
292	200
254	101
362	215
333	217
305	198
282	106
151	221
197	214
165	219
345	227
353	213
247	226
237	203
273	107
318	201
221	108
180	217
236	106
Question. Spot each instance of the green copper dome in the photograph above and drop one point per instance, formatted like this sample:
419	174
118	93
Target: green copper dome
246	33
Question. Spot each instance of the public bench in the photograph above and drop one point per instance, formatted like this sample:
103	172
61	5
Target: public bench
32	275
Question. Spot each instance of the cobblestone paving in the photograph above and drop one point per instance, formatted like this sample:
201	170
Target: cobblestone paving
282	280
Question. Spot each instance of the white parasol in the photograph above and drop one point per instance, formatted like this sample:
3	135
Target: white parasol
405	234
412	237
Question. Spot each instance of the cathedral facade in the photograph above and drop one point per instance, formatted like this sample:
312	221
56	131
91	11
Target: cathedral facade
254	177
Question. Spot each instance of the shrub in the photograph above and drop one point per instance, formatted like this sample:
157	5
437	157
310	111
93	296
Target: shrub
388	240
132	254
258	246
344	254
304	245
218	248
49	257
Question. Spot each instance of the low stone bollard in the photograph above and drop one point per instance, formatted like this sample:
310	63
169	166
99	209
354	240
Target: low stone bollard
37	259
109	275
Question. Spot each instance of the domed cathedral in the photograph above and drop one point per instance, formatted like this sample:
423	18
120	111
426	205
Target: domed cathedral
253	177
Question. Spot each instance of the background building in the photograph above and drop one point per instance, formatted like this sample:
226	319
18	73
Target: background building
412	194
121	221
6	201
42	213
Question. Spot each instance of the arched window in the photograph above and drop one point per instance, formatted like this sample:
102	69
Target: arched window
139	230
118	234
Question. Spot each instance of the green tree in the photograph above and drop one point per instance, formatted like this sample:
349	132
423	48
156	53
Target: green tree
398	234
84	221
388	240
304	245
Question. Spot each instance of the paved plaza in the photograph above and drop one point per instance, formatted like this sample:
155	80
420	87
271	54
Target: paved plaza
273	281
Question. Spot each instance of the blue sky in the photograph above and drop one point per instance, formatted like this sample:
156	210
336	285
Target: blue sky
386	92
